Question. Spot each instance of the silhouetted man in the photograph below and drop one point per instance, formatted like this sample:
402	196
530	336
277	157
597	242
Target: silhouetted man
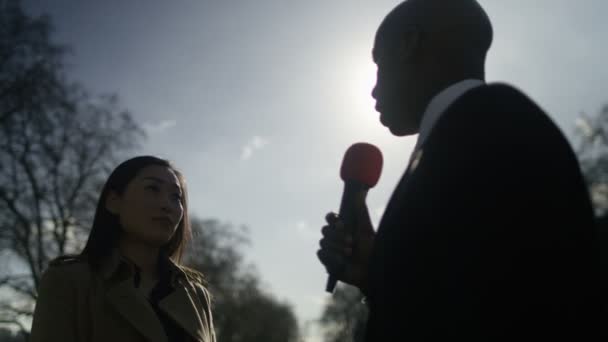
489	235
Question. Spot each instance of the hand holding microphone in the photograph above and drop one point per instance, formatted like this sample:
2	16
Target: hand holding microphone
348	238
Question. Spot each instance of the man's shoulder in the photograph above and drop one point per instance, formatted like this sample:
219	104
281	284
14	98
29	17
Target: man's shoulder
499	95
500	87
495	112
499	104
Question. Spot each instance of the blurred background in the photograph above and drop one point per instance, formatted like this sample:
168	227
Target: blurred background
255	102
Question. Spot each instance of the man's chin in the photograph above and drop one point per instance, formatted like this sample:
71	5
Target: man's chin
383	120
399	132
396	129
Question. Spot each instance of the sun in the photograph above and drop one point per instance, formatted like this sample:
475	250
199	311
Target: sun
358	89
363	82
354	77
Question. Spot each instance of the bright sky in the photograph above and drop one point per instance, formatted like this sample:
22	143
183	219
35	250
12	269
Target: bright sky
257	100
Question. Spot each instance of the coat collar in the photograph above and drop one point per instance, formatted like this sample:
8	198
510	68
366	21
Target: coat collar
115	260
135	308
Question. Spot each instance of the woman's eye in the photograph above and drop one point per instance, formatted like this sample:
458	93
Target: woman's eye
153	188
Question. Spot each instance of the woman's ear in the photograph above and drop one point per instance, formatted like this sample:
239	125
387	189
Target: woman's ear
113	202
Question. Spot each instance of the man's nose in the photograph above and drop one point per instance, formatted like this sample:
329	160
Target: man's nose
375	92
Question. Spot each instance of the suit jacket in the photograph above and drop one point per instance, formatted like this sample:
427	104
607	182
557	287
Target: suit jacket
489	235
76	304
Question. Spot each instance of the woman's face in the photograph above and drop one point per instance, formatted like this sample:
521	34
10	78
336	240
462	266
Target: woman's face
150	208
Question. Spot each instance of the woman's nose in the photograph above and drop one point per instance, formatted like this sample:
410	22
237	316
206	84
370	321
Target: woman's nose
166	204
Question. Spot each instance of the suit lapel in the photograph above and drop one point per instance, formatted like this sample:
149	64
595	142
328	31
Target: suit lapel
181	308
136	310
414	161
388	223
413	164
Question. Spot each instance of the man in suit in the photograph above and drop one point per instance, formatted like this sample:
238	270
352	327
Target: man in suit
489	235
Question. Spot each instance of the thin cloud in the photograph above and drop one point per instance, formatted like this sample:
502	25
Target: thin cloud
159	127
305	231
317	300
255	144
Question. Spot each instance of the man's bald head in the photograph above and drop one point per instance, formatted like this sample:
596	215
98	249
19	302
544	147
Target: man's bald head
456	28
422	47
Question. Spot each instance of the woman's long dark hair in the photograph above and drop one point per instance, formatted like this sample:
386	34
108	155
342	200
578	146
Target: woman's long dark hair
106	229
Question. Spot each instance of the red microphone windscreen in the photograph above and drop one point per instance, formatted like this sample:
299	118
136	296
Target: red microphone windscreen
363	163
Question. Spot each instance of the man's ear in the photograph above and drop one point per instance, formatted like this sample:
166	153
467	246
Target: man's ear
409	43
113	202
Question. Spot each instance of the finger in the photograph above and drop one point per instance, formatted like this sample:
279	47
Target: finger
339	224
334	263
336	247
339	235
326	230
331	217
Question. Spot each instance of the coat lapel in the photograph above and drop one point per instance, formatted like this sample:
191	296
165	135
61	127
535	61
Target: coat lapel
182	309
134	308
178	305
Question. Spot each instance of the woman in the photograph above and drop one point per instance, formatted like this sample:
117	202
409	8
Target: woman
128	284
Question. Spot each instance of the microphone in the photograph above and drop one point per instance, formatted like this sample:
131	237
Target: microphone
360	171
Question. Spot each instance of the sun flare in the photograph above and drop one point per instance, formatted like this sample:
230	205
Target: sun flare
363	83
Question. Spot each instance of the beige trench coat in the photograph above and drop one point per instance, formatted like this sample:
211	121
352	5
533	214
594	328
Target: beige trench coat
76	304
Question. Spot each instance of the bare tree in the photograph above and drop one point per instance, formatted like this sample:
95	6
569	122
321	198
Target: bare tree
344	316
593	155
243	311
6	335
57	145
30	64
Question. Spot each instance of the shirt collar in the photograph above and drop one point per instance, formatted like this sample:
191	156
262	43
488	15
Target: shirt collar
440	103
112	264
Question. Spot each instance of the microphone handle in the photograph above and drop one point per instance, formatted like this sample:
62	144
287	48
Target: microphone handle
354	192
